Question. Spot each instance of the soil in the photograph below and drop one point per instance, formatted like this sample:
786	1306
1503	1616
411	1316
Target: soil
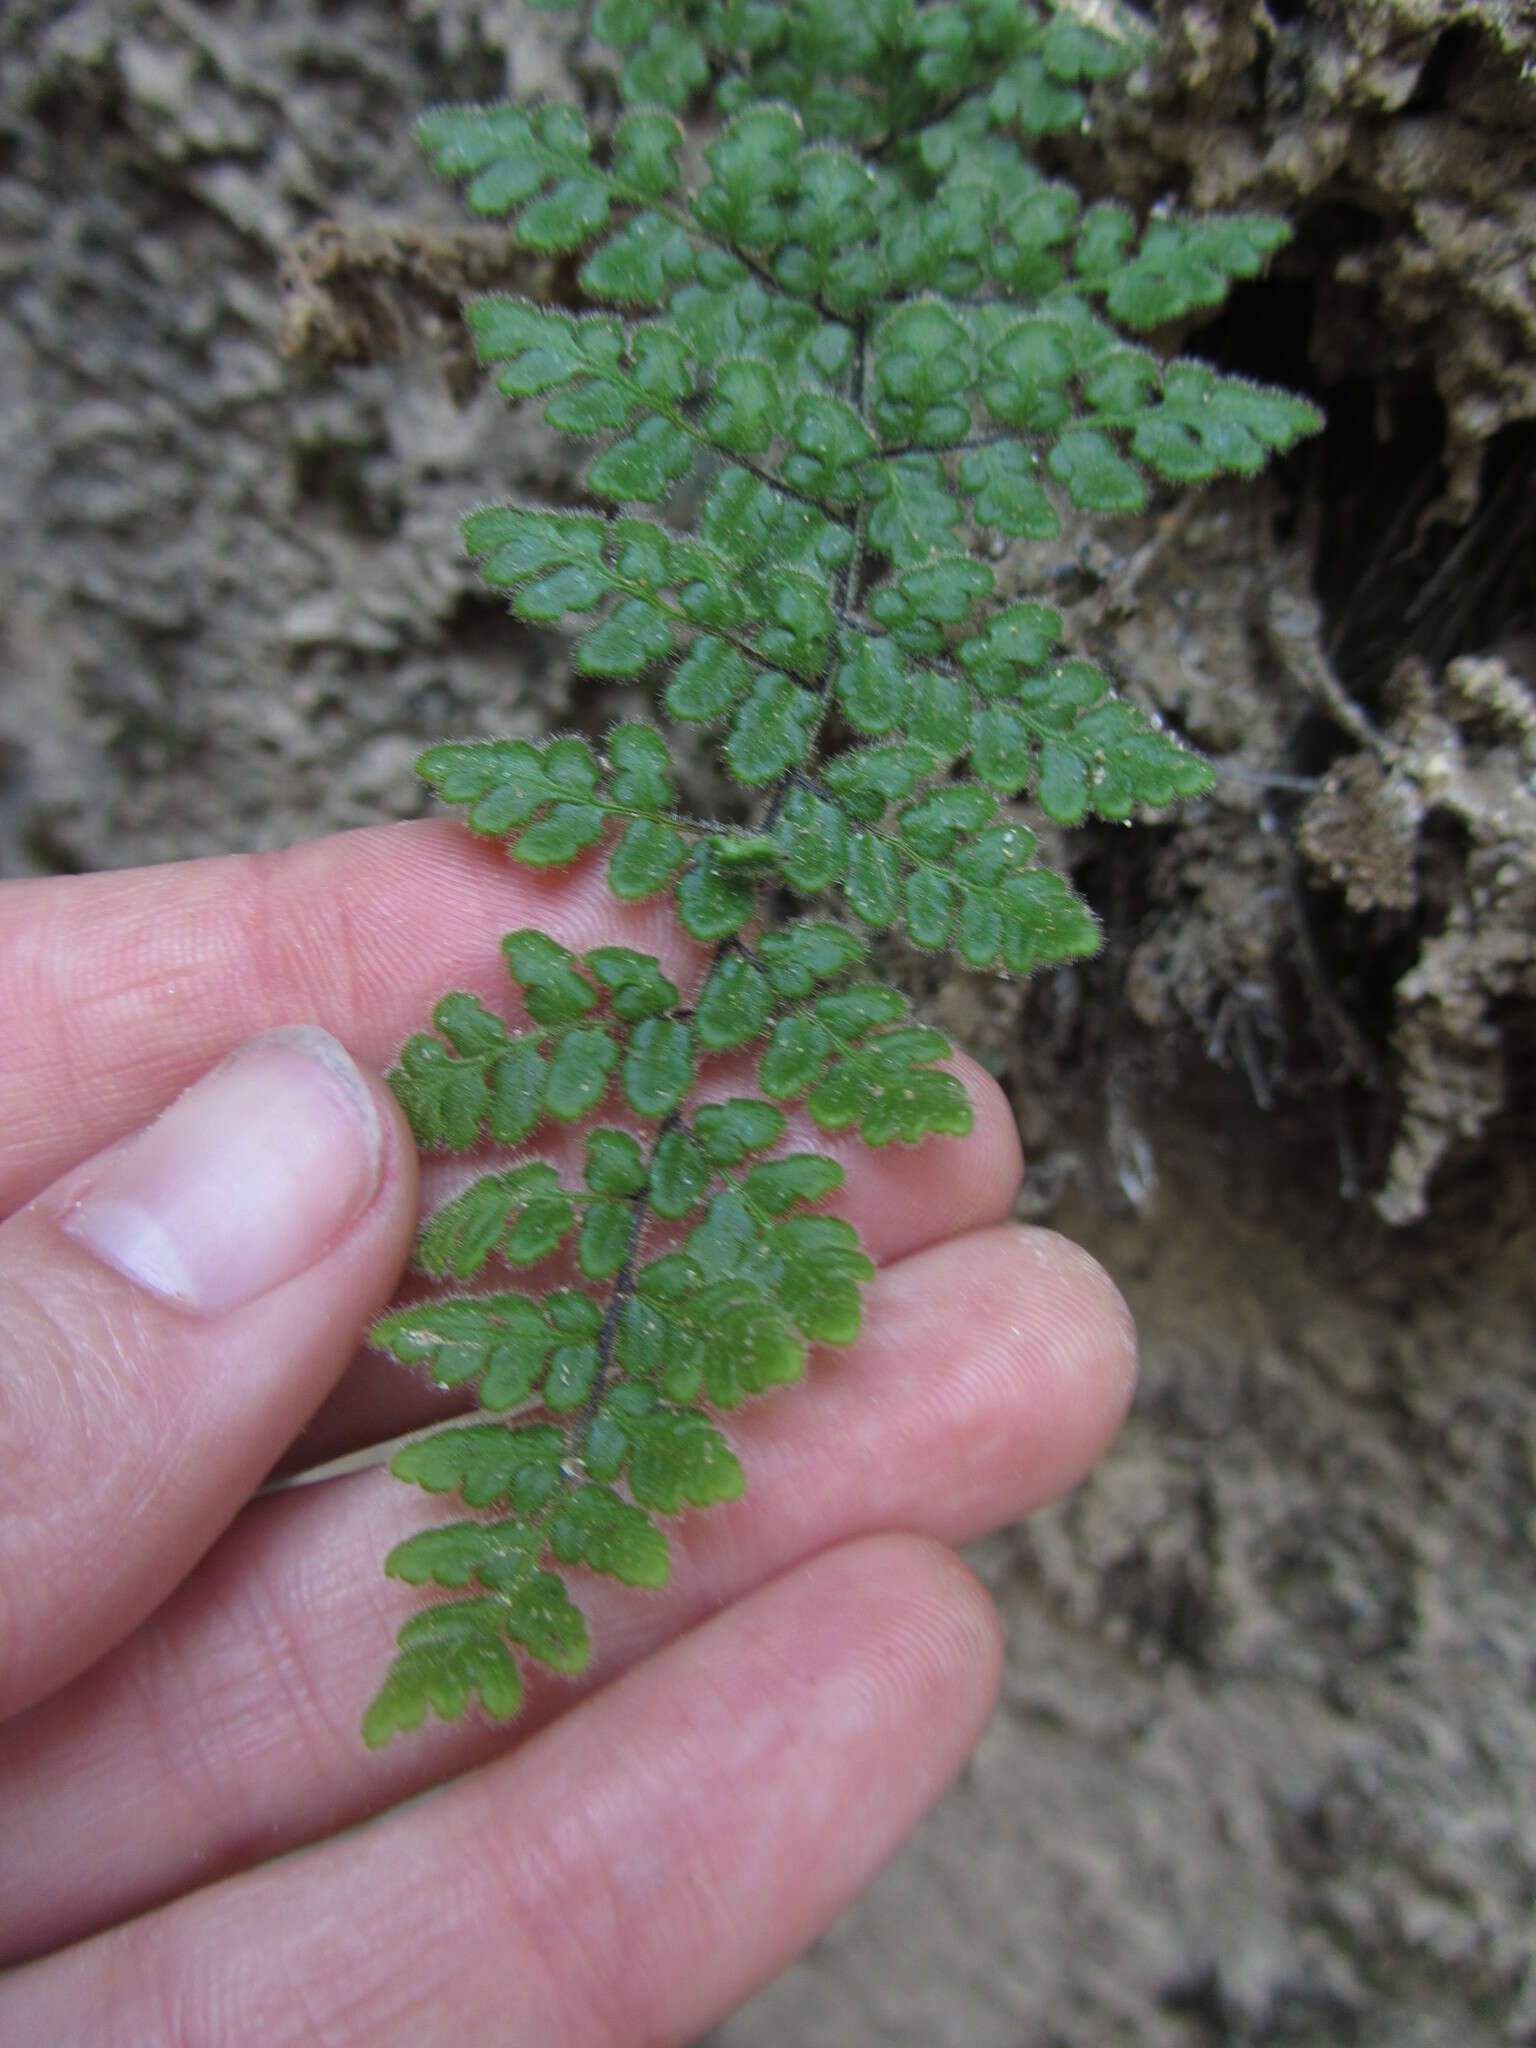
1262	1772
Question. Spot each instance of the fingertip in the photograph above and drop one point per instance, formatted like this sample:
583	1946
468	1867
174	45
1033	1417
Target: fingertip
1081	1356
171	1312
1034	1367
950	1624
994	1149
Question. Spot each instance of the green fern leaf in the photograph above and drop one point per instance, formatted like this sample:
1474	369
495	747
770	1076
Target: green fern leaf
1005	487
803	1177
595	1527
734	1005
679	1174
823	365
509	155
615	1164
643	264
713	901
913	513
499	1341
488	1464
1097	478
578	1072
670	1456
646	147
729	1131
1182	265
545	972
658	1068
495	1555
448	1656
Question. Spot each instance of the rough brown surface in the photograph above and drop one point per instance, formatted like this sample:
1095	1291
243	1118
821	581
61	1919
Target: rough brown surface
1262	1774
1410	127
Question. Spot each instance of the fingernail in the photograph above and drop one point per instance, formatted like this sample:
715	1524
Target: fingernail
245	1181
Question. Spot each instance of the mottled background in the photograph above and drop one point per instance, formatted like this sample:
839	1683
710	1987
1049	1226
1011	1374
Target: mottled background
1263	1772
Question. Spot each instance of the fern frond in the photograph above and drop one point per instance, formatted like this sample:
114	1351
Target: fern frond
822	386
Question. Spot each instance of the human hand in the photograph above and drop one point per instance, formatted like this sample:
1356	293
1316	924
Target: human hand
183	1667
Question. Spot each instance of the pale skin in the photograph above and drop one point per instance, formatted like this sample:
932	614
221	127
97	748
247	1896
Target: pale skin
183	1667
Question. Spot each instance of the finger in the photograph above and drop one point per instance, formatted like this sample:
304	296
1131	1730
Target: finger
900	1198
141	980
120	989
630	1875
169	1314
991	1374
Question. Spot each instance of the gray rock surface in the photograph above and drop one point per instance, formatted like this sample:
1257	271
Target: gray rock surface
1262	1773
1262	1770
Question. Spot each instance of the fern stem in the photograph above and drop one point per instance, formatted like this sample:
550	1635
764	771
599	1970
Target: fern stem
618	1299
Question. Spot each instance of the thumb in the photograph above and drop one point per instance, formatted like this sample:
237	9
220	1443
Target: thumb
170	1315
